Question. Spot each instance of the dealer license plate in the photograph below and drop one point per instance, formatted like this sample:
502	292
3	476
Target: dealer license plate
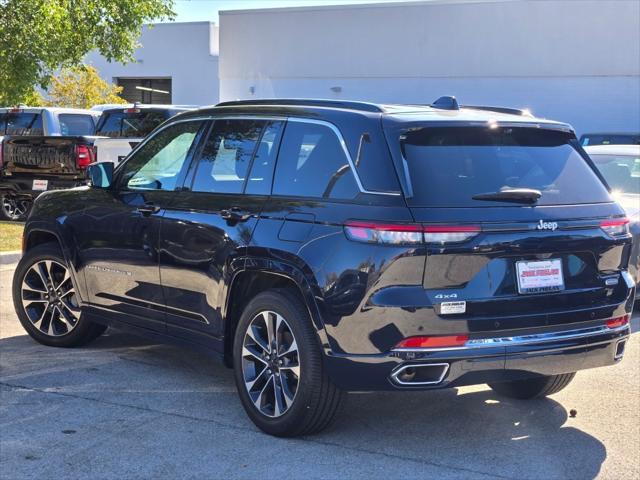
40	184
540	276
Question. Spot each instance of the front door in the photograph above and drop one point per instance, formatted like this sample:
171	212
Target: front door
211	221
118	239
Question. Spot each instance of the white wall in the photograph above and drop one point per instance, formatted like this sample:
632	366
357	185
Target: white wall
186	52
572	60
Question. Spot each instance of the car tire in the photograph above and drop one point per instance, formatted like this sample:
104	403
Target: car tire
310	400
533	387
46	302
13	209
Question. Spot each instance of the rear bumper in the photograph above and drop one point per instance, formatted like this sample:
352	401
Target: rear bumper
549	354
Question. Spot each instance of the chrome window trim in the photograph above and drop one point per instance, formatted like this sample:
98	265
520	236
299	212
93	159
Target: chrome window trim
395	373
532	339
343	144
325	123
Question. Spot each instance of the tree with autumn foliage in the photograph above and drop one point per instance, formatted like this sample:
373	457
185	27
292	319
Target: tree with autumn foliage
81	87
40	37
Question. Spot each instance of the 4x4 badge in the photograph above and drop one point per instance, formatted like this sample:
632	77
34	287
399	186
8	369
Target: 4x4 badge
547	225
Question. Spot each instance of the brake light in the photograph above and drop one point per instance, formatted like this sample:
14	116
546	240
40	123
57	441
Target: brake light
615	228
450	233
131	110
402	234
433	342
383	233
617	322
15	110
84	156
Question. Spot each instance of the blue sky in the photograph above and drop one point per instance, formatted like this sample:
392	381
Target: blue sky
198	10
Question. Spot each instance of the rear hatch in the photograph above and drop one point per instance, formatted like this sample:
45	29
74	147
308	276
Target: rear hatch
520	229
124	128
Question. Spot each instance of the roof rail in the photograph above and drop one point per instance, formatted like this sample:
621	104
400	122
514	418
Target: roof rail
511	111
304	102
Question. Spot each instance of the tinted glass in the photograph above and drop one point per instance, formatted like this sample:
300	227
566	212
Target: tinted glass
157	165
125	124
448	166
72	124
312	163
226	156
622	172
21	124
610	139
261	175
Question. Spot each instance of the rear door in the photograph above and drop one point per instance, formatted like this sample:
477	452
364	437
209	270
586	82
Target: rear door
212	220
513	262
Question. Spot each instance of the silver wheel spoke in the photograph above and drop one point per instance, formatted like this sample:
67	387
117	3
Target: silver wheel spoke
260	375
258	401
278	398
292	368
288	397
248	351
293	348
271	334
29	288
256	338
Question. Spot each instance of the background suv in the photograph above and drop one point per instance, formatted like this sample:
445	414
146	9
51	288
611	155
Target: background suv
323	246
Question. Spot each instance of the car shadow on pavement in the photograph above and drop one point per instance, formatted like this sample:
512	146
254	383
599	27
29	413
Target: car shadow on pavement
469	431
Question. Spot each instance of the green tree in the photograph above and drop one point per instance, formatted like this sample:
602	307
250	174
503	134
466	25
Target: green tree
81	87
39	37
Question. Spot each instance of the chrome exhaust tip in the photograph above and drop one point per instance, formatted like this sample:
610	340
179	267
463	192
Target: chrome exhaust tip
620	349
420	374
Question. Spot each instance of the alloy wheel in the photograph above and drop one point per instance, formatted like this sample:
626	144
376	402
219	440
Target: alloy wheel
49	298
14	208
270	364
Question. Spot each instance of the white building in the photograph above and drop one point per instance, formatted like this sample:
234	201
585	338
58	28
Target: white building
572	60
177	63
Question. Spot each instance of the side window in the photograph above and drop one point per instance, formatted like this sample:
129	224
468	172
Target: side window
158	163
261	176
226	156
312	163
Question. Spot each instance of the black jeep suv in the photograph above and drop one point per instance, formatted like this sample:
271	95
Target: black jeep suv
322	246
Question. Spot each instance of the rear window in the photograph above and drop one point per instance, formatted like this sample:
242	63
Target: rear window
74	124
622	172
609	139
21	123
138	124
448	166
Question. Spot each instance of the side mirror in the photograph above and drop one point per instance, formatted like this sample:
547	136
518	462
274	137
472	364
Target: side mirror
101	174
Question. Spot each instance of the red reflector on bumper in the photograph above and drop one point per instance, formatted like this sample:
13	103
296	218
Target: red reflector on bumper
617	322
433	342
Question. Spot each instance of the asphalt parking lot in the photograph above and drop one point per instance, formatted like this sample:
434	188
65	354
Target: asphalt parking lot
127	408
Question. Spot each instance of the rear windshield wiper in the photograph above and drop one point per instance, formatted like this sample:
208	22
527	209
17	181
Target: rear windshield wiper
516	195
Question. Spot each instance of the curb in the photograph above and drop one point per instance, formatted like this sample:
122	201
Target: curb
7	258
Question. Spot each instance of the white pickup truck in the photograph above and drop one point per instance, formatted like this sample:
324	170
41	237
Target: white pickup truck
124	127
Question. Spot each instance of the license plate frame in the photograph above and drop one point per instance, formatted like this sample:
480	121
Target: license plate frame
539	276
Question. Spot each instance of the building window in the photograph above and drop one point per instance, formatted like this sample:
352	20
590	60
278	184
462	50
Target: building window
145	90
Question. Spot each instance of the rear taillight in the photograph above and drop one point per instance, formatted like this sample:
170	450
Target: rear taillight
449	233
433	342
383	233
617	322
84	156
399	234
615	228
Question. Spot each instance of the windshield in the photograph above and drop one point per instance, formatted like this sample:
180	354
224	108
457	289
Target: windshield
622	172
448	166
136	124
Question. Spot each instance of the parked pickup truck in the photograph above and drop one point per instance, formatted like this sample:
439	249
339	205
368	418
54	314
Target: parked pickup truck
124	127
41	149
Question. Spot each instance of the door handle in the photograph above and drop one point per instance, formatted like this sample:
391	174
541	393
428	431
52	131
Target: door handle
234	214
148	209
